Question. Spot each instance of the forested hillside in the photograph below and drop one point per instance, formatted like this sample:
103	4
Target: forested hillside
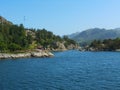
106	45
17	37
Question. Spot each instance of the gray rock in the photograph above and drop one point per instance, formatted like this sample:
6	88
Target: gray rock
38	53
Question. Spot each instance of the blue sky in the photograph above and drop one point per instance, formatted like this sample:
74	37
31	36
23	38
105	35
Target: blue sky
63	16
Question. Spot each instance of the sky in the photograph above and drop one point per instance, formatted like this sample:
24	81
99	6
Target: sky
62	17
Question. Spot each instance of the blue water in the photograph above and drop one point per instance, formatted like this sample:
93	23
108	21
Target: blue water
69	70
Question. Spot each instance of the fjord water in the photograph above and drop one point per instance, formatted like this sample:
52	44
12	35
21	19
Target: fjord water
69	70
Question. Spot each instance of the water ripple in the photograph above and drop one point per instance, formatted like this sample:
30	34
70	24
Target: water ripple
70	70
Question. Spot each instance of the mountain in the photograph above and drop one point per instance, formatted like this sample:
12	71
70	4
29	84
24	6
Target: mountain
95	34
73	35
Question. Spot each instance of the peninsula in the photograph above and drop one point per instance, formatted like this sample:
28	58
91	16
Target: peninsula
16	38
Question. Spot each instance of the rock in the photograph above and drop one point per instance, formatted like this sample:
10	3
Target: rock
61	46
72	46
42	54
118	50
50	54
38	53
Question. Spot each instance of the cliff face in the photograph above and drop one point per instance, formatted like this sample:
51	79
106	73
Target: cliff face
60	46
72	46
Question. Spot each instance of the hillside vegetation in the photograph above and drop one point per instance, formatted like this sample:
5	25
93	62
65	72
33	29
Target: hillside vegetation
17	38
106	45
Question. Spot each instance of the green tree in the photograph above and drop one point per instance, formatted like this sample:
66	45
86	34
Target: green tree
3	47
13	47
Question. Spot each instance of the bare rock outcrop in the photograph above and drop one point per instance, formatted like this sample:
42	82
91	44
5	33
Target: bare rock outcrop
38	53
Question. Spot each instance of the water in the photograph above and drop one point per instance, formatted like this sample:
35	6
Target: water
70	70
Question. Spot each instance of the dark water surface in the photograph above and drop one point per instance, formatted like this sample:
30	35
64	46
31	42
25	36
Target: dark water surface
70	70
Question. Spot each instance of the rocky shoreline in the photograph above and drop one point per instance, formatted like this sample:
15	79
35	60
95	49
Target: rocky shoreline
92	49
40	53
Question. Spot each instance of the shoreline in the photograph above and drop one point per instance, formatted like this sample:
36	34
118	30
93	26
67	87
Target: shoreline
37	53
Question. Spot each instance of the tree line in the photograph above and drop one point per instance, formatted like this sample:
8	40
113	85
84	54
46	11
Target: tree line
106	45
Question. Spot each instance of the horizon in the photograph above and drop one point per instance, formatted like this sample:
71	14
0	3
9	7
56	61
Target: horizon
63	17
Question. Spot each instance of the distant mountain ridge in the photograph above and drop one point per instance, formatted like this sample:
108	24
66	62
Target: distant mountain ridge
95	34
